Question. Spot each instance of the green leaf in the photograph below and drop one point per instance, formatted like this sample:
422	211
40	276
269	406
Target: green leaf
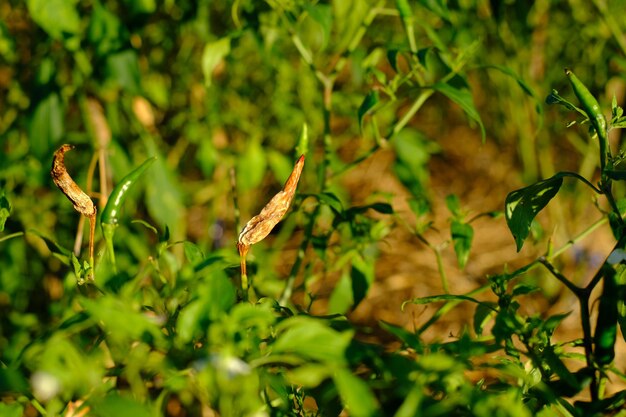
164	198
323	15
214	295
446	297
105	32
12	380
483	314
408	338
279	164
404	8
251	166
454	204
11	410
59	18
312	339
193	253
462	97
141	6
555	98
114	405
45	127
355	394
122	68
341	298
392	57
122	322
5	211
362	277
331	200
369	102
521	206
462	235
213	54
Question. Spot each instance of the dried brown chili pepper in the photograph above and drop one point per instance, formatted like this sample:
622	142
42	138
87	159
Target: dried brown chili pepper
82	202
262	224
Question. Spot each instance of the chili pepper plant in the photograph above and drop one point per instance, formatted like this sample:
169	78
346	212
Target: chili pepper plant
185	116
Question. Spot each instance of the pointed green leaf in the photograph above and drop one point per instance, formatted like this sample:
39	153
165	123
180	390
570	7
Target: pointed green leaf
462	97
312	339
46	125
5	211
362	277
462	235
454	204
483	314
371	100
341	298
213	53
59	18
555	98
521	206
355	394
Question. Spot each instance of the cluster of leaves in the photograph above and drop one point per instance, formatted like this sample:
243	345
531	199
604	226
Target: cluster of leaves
212	85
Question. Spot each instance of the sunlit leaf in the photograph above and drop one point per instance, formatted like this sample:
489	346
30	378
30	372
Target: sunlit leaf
462	97
213	54
322	14
193	253
341	299
59	18
280	165
521	206
355	394
312	339
5	210
115	405
462	235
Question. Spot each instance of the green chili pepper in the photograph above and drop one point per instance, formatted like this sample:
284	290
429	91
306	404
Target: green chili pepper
606	327
109	217
118	195
594	112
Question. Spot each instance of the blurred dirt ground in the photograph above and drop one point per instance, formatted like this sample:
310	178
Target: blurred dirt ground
481	175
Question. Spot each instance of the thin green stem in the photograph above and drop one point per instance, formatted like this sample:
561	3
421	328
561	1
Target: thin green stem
417	104
562	278
442	271
11	236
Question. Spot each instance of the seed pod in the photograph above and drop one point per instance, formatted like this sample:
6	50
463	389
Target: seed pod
594	112
82	202
262	224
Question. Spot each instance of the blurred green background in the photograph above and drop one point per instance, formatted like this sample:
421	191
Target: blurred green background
214	86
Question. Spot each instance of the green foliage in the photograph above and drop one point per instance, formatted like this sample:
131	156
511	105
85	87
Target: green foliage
218	98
